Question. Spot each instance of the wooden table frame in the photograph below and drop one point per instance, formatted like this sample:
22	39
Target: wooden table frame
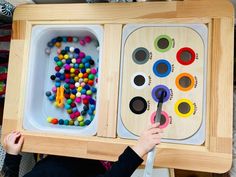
216	153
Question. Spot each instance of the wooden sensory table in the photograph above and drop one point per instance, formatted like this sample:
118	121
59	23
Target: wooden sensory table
215	155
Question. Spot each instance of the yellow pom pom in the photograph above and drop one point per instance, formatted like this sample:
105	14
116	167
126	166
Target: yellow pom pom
79	89
86	80
49	119
80	75
71	122
76	78
66	56
72	70
88	70
80	118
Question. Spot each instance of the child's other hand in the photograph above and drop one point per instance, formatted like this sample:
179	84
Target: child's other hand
148	140
13	142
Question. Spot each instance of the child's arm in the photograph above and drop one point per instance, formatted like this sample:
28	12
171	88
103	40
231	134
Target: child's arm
148	140
131	158
12	144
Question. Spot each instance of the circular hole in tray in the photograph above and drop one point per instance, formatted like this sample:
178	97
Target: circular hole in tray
185	56
140	55
162	68
138	105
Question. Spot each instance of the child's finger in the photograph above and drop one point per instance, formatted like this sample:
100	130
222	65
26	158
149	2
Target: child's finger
14	137
6	138
156	137
21	140
9	138
156	130
158	142
155	125
17	132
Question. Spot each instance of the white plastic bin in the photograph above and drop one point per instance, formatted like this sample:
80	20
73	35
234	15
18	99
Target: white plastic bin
41	65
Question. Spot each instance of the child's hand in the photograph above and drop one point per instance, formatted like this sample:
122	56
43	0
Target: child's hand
13	142
148	140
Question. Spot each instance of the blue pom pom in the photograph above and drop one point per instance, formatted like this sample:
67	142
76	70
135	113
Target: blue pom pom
75	55
74	109
92	107
62	77
83	70
61	122
58	84
68	61
48	93
51	98
86	87
94	90
56	59
50	44
87	65
87	122
74	91
72	81
77	50
67	106
67	48
90	112
83	91
66	122
91	101
54	40
84	60
88	57
76	65
58	74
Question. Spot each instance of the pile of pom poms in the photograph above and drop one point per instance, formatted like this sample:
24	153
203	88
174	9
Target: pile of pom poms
75	79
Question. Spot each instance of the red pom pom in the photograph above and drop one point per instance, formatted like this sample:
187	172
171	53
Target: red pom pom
85	101
57	68
69	39
85	75
90	82
72	86
67	96
54	121
73	105
67	76
76	72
